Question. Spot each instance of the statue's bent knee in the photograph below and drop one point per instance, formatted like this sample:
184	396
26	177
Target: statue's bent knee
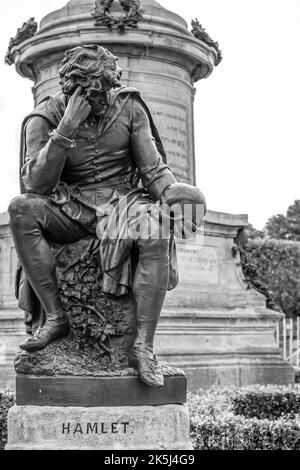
21	208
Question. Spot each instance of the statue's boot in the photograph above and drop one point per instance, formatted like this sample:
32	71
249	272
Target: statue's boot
144	360
56	326
149	289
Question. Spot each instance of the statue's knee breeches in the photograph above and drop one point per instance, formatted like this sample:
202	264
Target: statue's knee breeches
25	209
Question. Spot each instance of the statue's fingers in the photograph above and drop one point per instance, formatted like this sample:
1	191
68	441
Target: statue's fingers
78	91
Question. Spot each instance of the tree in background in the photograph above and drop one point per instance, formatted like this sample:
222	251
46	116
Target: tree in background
273	268
293	221
285	227
271	260
254	234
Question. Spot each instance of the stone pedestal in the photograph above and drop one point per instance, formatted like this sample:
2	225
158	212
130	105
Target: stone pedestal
108	412
77	428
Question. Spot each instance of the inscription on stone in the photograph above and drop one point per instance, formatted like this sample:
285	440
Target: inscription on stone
172	122
95	428
197	264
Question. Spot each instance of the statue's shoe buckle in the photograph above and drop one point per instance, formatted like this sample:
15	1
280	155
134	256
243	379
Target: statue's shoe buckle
45	335
149	369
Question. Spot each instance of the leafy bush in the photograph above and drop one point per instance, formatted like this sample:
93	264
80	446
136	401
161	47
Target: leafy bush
229	432
215	424
6	401
278	268
267	402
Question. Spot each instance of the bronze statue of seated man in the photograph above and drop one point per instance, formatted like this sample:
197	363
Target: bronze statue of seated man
87	148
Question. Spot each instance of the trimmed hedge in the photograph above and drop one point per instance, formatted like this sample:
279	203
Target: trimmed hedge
278	268
267	402
230	432
215	424
6	401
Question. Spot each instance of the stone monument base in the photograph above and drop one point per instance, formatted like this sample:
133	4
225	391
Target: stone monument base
114	411
163	427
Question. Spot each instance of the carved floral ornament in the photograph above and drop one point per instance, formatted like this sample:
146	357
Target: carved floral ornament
132	9
199	32
27	30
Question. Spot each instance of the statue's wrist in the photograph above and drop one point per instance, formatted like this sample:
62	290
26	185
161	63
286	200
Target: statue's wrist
68	128
61	140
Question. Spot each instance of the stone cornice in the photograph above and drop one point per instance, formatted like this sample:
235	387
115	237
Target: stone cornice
152	34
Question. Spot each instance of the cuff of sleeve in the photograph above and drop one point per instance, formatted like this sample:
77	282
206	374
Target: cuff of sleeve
158	186
61	140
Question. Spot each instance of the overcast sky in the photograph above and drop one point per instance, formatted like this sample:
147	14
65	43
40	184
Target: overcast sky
246	112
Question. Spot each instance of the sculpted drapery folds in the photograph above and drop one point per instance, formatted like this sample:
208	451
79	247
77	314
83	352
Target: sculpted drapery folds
93	146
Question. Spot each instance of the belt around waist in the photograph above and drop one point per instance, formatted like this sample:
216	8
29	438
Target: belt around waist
103	184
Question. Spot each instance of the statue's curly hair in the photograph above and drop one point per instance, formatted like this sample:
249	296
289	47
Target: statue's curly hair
90	66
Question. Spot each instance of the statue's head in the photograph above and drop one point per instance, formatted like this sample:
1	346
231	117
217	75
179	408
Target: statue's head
93	68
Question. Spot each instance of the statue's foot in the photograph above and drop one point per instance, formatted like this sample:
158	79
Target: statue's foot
149	369
52	330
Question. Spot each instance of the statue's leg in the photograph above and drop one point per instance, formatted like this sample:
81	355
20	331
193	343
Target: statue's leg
149	290
34	222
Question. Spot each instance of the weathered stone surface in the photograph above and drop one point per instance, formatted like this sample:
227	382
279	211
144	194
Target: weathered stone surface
72	428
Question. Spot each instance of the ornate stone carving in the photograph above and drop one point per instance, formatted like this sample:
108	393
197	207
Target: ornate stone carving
133	14
199	32
27	30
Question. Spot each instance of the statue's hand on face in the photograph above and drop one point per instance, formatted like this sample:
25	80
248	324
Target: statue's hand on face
77	111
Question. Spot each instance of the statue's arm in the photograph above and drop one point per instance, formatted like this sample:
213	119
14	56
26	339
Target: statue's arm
155	174
45	156
44	160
